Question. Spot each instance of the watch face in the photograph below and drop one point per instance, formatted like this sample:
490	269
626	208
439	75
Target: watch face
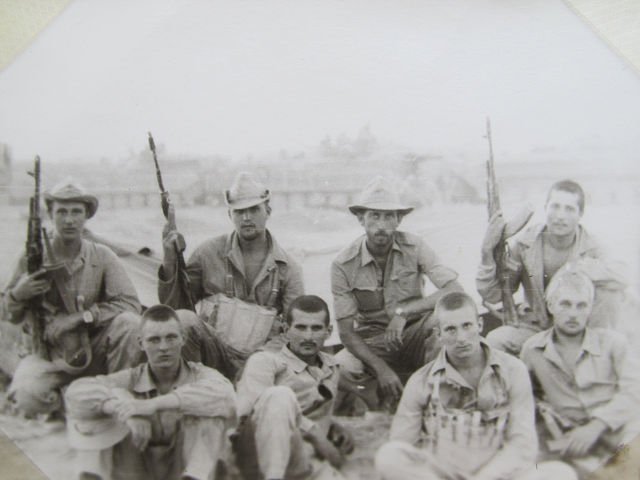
87	317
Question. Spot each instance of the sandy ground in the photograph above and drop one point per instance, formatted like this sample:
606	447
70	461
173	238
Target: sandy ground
314	237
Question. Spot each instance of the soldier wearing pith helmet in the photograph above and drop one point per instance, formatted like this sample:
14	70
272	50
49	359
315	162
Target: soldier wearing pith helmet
92	309
382	311
245	272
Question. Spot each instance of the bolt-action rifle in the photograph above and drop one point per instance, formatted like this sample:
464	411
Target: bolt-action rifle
34	253
501	254
182	276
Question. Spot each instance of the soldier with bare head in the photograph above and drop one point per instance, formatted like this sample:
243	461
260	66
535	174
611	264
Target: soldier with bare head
469	414
164	419
587	380
242	282
383	314
536	255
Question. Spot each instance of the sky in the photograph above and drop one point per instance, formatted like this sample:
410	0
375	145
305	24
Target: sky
238	77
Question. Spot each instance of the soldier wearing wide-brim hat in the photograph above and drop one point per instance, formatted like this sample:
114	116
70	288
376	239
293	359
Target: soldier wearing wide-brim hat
92	310
247	264
378	288
70	192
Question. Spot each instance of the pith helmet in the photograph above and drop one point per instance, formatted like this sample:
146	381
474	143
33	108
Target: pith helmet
245	192
70	192
379	195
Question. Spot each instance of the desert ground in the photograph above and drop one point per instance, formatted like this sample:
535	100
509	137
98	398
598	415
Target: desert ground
314	237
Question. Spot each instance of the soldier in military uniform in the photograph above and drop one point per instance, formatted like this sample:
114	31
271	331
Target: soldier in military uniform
242	281
468	414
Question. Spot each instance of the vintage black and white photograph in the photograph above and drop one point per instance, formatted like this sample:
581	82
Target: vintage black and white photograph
320	240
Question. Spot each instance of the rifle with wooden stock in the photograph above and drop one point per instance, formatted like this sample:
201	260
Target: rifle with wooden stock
34	254
182	276
509	314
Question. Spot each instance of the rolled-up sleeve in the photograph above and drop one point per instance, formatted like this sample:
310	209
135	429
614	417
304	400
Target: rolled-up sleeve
12	310
624	403
430	265
117	291
488	283
344	301
407	422
210	395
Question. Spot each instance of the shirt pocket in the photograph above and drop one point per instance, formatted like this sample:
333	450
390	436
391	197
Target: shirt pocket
369	299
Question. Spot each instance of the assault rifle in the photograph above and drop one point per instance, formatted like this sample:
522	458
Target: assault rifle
183	278
34	251
509	313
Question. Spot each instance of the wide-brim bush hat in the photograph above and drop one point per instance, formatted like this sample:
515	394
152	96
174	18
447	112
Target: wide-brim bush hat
68	191
245	192
379	194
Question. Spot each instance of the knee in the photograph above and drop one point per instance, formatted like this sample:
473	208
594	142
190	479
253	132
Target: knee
349	364
277	401
188	319
34	387
126	322
498	337
386	459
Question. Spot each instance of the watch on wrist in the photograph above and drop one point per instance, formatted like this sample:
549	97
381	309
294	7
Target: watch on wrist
400	312
87	316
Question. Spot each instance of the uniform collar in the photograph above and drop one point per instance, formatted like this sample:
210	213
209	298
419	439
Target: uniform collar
365	254
441	364
145	383
584	242
298	365
545	341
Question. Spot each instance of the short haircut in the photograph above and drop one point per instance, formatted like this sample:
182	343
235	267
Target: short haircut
566	278
571	187
454	301
160	313
308	304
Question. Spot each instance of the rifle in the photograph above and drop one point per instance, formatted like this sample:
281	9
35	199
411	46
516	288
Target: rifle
183	277
34	251
501	253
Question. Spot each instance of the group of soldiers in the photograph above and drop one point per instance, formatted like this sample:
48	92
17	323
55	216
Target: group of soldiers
231	365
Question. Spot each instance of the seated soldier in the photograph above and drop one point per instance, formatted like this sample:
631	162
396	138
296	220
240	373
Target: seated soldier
469	414
587	380
285	403
239	281
164	419
382	311
89	306
536	255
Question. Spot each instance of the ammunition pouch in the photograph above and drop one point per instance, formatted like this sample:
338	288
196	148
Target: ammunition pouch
240	325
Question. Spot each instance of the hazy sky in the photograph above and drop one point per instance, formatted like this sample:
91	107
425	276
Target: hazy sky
240	76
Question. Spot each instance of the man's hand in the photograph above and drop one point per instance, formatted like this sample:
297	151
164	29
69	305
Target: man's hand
30	285
61	324
581	439
324	448
393	334
140	432
341	438
128	408
172	240
494	234
390	384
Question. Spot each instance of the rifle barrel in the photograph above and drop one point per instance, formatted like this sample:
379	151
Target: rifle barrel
152	147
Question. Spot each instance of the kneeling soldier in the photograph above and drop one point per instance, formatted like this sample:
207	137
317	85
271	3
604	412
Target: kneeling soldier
164	419
285	402
469	414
